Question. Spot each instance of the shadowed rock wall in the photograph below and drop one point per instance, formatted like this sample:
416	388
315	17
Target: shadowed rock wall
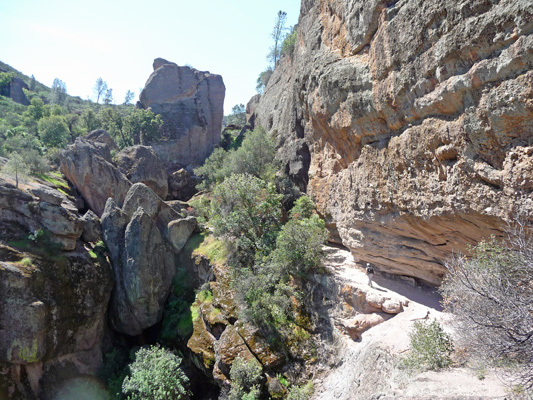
410	123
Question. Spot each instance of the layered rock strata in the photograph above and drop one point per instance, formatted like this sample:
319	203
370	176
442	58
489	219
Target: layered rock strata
410	123
190	103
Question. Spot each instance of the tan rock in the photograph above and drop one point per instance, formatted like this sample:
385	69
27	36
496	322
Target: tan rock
409	124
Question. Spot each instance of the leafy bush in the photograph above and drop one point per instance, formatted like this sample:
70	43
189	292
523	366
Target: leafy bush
156	374
113	371
431	347
246	211
245	380
299	245
491	298
301	392
254	157
287	49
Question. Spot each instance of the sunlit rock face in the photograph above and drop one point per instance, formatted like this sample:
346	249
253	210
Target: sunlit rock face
410	123
191	105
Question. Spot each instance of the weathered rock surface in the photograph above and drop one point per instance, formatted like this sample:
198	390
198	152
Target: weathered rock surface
102	136
410	123
92	231
191	105
143	238
22	213
181	185
88	167
52	313
141	164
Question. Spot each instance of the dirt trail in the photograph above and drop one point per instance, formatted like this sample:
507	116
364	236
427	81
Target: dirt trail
368	369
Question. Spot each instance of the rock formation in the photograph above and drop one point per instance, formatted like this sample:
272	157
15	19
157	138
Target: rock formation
88	167
191	105
141	164
410	124
143	238
54	293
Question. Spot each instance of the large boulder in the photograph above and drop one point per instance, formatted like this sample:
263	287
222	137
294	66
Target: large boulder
143	238
191	105
141	164
38	209
88	167
52	315
102	136
409	123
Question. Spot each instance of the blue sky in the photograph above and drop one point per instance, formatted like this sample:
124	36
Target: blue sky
79	41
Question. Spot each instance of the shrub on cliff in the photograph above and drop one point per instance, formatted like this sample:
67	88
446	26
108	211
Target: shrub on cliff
246	211
491	297
156	375
245	380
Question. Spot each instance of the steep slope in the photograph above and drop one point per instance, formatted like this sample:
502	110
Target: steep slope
409	122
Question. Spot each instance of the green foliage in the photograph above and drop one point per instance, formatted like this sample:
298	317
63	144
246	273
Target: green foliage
16	167
301	392
299	245
431	347
254	157
237	116
59	92
245	380
303	208
5	82
262	80
246	211
214	169
53	131
113	371
156	375
287	49
131	126
89	120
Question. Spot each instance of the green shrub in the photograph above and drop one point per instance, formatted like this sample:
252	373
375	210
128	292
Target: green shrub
156	374
287	48
299	245
246	211
254	157
245	380
431	347
113	371
303	392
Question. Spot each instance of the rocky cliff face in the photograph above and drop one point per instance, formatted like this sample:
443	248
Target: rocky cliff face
410	123
191	105
54	292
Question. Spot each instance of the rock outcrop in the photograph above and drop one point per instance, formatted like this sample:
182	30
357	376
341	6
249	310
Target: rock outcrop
141	164
410	123
89	168
191	105
39	209
54	292
143	238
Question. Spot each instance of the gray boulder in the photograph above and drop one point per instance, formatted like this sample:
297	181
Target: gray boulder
88	167
141	164
143	238
102	136
190	103
92	231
